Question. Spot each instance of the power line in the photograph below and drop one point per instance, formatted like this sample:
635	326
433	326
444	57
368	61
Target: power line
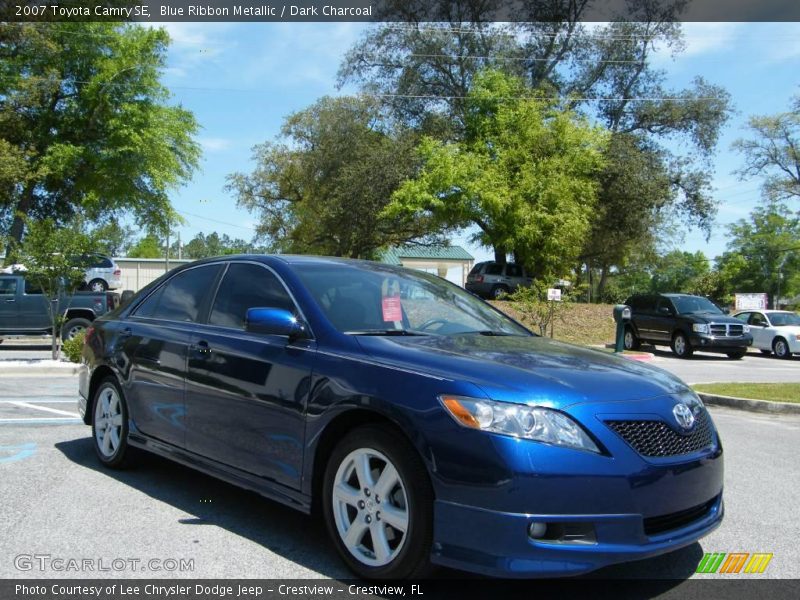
183	212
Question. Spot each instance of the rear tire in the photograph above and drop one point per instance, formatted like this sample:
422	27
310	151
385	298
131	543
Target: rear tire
98	285
373	470
680	346
631	342
737	355
499	291
781	348
73	327
110	425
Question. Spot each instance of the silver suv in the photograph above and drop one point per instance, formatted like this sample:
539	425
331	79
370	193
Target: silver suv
493	280
102	274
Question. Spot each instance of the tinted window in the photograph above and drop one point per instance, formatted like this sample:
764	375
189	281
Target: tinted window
101	262
247	286
476	269
182	297
758	320
783	319
32	288
494	269
696	304
514	270
665	307
8	287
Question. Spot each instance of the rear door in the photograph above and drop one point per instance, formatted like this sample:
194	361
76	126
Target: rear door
246	392
153	345
663	320
9	302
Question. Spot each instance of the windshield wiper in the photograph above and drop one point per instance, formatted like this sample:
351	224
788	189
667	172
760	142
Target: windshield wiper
384	332
492	332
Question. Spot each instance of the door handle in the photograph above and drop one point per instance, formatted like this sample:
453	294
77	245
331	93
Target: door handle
202	348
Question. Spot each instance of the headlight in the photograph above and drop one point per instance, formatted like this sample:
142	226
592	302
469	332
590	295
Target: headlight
518	420
700	328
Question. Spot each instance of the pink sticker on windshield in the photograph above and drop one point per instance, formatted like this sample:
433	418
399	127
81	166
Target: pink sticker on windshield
391	309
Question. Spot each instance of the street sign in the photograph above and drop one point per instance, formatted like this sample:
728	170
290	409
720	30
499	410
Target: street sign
751	301
554	294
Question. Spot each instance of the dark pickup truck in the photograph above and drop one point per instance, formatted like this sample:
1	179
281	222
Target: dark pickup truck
24	311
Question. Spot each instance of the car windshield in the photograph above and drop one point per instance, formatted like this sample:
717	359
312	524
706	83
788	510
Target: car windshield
784	319
695	304
375	299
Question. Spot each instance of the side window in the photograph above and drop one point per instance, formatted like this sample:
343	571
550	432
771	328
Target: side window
758	320
494	269
743	316
8	287
32	288
513	270
247	286
664	307
182	297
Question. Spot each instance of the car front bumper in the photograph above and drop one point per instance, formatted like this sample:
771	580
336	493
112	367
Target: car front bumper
507	551
492	488
712	343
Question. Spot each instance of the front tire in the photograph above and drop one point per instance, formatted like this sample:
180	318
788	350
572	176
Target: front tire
680	346
110	425
781	348
378	505
737	355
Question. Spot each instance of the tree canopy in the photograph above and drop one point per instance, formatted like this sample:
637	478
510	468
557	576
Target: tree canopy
321	187
86	127
525	174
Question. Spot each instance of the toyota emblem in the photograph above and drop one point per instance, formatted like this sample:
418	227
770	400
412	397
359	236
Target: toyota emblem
684	416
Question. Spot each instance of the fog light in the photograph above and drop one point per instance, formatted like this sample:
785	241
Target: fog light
537	530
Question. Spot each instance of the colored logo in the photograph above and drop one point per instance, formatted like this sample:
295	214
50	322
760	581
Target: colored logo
734	563
683	415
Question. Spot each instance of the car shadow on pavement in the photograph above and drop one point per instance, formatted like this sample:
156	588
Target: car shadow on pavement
301	538
208	501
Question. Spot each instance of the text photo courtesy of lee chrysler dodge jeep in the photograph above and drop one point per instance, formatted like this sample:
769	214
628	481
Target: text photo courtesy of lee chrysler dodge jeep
686	324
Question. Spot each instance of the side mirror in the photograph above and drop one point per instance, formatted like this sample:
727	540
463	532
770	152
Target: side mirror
665	310
274	321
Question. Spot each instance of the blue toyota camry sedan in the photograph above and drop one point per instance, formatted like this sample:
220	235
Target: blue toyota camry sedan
424	425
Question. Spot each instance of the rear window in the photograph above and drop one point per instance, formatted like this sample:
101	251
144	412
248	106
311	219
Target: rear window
182	297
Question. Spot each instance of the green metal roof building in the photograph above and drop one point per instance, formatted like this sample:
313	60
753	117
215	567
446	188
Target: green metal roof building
451	262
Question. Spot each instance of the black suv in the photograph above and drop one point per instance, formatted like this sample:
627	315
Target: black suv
685	323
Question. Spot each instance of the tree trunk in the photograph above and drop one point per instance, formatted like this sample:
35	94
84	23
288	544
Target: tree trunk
500	253
601	285
18	224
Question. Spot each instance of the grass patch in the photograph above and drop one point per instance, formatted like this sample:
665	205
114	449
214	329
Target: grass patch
583	324
774	392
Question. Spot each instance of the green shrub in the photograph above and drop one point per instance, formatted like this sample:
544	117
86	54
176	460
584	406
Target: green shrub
72	348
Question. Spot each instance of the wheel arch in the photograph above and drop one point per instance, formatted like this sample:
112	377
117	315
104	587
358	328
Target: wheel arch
334	431
79	313
98	375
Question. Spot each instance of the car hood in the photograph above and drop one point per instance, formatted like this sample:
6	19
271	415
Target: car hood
712	318
532	369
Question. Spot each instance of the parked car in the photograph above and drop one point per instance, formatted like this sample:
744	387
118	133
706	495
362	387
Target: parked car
425	425
102	274
24	310
493	280
685	323
775	331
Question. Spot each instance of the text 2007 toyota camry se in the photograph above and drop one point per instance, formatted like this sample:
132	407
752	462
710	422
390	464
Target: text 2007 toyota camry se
427	427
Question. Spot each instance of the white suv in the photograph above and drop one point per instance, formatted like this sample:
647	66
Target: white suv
102	274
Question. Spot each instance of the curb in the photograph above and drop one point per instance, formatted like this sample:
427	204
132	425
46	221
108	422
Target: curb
762	406
641	356
34	369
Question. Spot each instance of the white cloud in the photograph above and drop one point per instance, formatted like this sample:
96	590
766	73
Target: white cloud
700	39
213	144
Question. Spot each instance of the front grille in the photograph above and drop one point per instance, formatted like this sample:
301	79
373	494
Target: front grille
676	520
726	329
656	438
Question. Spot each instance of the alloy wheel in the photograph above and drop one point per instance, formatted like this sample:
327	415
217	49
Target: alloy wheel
108	421
370	507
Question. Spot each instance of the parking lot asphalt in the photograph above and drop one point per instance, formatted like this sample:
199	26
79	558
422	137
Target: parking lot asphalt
58	501
706	367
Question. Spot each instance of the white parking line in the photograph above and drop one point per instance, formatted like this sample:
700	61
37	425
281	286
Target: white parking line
40	401
44	408
42	421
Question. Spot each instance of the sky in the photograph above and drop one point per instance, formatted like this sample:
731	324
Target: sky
242	79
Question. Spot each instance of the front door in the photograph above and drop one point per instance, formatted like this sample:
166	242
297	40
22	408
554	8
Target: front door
9	302
246	393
